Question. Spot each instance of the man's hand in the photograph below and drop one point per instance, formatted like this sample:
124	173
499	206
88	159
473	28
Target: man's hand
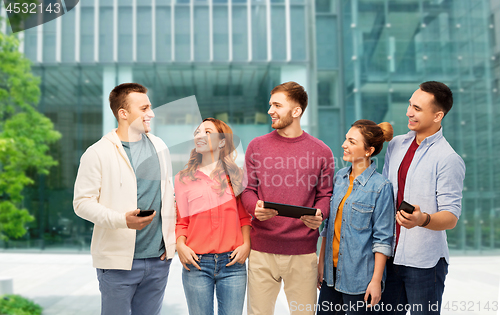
187	255
263	214
408	220
240	254
313	221
137	223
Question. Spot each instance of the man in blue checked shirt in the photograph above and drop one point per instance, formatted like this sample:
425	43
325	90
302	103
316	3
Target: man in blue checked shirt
426	172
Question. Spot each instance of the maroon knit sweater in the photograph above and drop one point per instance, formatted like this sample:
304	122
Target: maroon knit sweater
297	171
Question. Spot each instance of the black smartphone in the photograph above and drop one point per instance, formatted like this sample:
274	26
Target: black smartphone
145	213
406	207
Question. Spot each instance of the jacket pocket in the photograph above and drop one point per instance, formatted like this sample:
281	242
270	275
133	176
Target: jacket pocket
361	215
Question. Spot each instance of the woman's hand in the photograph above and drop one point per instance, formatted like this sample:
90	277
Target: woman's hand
321	262
321	267
187	255
374	290
239	254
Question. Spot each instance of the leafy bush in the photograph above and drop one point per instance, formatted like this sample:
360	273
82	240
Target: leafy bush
17	305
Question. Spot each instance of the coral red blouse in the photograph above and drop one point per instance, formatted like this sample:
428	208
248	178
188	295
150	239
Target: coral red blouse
210	222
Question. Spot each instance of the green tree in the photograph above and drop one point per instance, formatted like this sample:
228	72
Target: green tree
25	135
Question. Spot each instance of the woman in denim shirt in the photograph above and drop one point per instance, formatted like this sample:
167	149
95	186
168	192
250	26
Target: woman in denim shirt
360	229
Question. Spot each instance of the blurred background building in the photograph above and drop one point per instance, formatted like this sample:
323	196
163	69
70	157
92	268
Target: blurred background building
356	58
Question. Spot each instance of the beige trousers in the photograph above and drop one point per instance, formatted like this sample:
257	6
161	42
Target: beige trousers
265	272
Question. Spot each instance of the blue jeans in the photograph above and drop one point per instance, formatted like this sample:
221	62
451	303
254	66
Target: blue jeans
415	289
332	301
229	284
136	291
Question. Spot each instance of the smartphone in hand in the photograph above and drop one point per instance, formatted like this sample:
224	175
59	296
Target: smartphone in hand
406	207
145	213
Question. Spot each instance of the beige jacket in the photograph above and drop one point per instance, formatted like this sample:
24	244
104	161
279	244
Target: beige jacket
106	188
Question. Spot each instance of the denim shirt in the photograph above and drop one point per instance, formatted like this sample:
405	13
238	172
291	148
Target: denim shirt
367	227
434	182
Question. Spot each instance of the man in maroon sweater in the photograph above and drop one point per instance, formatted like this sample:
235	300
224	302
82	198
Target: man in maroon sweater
286	166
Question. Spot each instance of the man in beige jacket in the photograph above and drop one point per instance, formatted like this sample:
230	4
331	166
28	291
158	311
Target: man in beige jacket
127	171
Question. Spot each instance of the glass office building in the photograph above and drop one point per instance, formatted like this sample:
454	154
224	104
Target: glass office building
356	58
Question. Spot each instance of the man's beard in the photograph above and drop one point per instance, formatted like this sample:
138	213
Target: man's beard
284	121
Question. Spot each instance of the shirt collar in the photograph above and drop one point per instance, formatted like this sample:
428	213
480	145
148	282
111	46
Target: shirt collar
365	176
427	141
199	174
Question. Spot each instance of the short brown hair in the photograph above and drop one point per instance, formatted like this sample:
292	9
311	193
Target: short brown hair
118	97
375	135
294	92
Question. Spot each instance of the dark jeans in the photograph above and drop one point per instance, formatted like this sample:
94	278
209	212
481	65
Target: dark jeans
415	289
332	301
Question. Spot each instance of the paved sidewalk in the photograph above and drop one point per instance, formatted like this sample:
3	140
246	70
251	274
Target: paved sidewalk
66	284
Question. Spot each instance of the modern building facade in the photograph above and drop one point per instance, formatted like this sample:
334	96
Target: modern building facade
356	58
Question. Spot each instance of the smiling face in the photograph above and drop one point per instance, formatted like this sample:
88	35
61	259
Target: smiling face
423	116
139	113
354	147
207	138
281	111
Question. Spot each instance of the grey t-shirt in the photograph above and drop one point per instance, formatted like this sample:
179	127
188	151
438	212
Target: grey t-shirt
144	159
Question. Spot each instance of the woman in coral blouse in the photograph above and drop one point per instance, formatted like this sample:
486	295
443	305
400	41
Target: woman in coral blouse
213	228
